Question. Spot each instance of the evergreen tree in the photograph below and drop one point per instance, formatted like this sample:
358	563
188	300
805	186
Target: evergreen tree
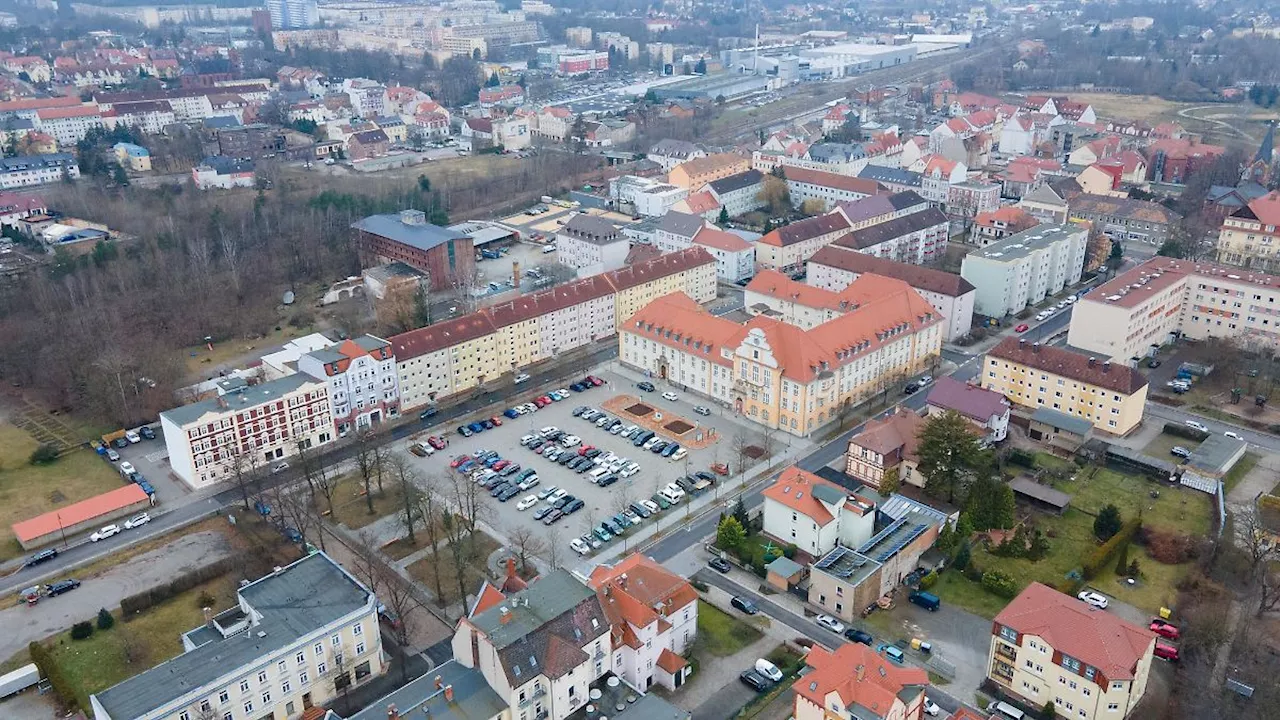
1122	562
105	621
701	67
740	513
963	555
493	80
723	219
949	454
1107	523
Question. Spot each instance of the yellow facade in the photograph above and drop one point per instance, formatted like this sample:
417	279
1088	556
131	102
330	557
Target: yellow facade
475	361
1110	411
1028	670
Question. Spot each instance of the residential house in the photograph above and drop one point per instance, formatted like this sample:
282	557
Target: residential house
133	157
1050	648
1047	204
477	133
1124	219
917	237
893	178
367	144
996	225
739	194
824	190
986	410
449	692
295	639
966	200
501	95
609	132
670	153
446	256
1248	237
245	428
1094	150
702	204
676	231
394	127
553	122
1110	395
1172	160
1026	267
835	268
735	257
149	116
591	245
786	248
856	683
814	514
937	177
69	125
364	389
223	173
693	174
644	196
886	446
1102	178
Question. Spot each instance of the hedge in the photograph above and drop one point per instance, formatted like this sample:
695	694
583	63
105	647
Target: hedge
1069	586
1021	457
1185	431
52	672
1105	553
138	602
999	584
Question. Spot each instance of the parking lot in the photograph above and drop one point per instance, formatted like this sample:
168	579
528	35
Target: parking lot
151	459
623	486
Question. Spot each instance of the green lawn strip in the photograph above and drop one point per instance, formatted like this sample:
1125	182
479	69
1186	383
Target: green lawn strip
1241	469
955	589
722	634
474	568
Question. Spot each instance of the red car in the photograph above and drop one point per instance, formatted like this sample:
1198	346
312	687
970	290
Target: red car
595	380
1166	651
1021	328
459	460
720	469
497	421
1165	629
436	442
542	402
585	449
546	400
500	465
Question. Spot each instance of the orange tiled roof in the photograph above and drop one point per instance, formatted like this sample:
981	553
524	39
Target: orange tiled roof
720	240
794	489
670	661
700	203
76	513
489	596
860	677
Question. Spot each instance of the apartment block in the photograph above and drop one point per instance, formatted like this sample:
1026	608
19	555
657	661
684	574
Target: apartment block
1125	219
446	358
835	267
693	174
1026	267
917	237
1132	315
69	125
295	640
1112	396
778	374
591	245
1250	236
250	426
814	514
826	189
364	388
856	683
787	248
27	170
644	196
738	194
670	153
1047	647
735	257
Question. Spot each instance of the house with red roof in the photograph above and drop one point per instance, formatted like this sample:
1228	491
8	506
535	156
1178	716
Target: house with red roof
1047	647
1173	159
857	683
653	620
364	387
814	514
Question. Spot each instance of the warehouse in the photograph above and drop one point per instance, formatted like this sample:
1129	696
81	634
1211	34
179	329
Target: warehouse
712	87
844	59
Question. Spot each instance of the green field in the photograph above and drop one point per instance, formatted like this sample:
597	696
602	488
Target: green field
721	633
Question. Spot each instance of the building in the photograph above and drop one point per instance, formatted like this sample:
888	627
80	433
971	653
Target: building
735	257
644	196
693	174
916	237
367	144
1025	268
1047	647
814	514
92	513
787	248
364	389
463	353
653	617
675	231
994	225
1110	395
1129	317
1046	204
825	190
223	173
449	692
368	98
293	14
1173	160
856	683
133	157
446	256
886	446
246	428
835	267
591	245
780	375
149	116
294	640
987	410
27	170
1248	237
69	125
539	648
670	153
1125	219
967	200
739	194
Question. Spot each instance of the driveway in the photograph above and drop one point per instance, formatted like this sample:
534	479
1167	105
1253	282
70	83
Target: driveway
55	614
959	637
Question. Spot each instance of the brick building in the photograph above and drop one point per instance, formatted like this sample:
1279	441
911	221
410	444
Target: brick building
445	255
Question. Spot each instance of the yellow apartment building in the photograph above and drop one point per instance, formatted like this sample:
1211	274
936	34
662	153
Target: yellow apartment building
693	174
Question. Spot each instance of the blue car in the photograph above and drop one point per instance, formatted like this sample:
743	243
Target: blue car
146	487
476	427
493	461
467	466
511	413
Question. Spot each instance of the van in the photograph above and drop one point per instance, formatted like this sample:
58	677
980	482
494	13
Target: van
1005	711
894	654
548	249
669	496
1165	651
598	473
928	601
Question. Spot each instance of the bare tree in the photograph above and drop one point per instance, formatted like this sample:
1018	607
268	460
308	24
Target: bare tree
431	508
399	597
526	542
1253	537
456	540
244	468
405	477
367	459
554	542
471	504
202	710
740	444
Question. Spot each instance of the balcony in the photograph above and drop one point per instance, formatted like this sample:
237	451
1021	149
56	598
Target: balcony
1006	652
538	692
599	655
1002	672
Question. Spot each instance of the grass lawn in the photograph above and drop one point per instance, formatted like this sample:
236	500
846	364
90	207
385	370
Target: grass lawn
956	589
475	569
1163	443
28	490
352	509
128	648
721	633
1241	469
198	357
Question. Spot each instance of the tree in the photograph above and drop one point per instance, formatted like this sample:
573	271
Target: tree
1117	255
526	543
775	194
890	482
455	538
367	459
405	475
961	560
244	474
990	503
493	80
554	541
701	67
740	513
730	534
1122	561
723	218
105	621
949	453
741	444
850	131
1107	523
1050	710
431	510
119	176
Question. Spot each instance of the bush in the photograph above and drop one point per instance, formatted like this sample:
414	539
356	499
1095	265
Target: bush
1018	456
81	630
105	621
1185	431
141	601
1106	552
789	552
999	584
205	600
1169	547
1108	523
961	560
1122	562
52	672
44	454
1069	586
929	580
973	572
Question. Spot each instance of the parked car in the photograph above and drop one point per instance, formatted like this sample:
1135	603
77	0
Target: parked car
1165	651
112	455
928	601
126	469
41	557
645	386
1165	629
437	442
755	680
1233	435
279	468
1021	328
579	546
720	468
702	410
147	433
137	521
860	636
62	586
1095	599
931	708
521	378
1197	425
744	604
768	670
1180	451
106	532
668	395
830	623
132	436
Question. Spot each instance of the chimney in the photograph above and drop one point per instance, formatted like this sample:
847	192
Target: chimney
515	274
1093	361
511	568
1106	366
505	616
392	713
1035	347
861	672
439	682
448	693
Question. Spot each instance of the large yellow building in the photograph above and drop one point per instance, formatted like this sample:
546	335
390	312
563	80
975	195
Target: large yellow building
1250	237
780	375
693	174
1049	647
1109	395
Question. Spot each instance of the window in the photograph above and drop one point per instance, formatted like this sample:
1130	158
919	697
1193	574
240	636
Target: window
285	687
223	696
184	715
266	697
302	677
284	667
244	686
301	658
1071	664
248	707
321	668
357	630
262	676
319	648
1009	634
1112	707
360	648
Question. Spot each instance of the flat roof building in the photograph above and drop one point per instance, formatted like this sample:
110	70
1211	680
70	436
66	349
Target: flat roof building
1025	268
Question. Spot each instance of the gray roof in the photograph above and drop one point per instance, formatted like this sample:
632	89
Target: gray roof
829	495
674	148
1217	454
25	162
301	599
549	598
1045	195
227	165
681	224
1062	421
971	401
239	395
423	236
1043	493
784	566
220	122
736	182
473	699
590	228
895	176
1026	242
836	152
873	235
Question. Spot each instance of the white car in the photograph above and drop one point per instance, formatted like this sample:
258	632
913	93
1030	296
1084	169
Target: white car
127	468
579	546
547	492
105	533
521	378
570	440
629	469
931	708
1093	599
279	468
1072	300
530	482
1042	316
132	436
528	502
648	444
674	490
830	623
678	455
652	506
1197	425
559	493
769	670
1233	435
668	395
547	430
137	521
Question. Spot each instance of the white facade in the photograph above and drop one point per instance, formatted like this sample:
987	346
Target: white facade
69	130
956	310
368	98
1025	268
576	325
645	196
364	387
733	265
24	171
591	257
152	122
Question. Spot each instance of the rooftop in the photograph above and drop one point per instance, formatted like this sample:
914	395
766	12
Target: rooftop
1082	368
303	598
971	401
864	681
1025	243
847	564
470	697
873	235
1217	454
76	513
865	186
806	229
1143	282
1126	208
408	227
592	229
1062	421
740	181
240	398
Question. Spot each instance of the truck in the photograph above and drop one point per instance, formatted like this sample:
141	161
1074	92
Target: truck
15	682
